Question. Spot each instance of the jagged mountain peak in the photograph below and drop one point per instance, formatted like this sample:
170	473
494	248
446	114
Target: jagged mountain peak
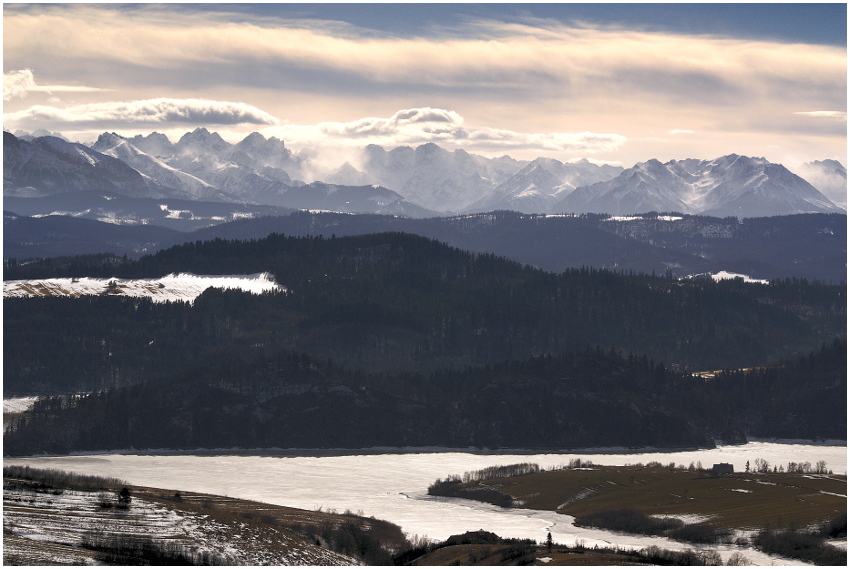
202	139
38	133
348	175
108	140
829	163
255	138
728	185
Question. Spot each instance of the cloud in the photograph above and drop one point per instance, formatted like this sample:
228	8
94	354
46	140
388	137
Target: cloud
422	125
839	115
511	80
19	82
151	111
542	57
426	119
677	131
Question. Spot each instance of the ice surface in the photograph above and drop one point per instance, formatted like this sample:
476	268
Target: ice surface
393	486
184	287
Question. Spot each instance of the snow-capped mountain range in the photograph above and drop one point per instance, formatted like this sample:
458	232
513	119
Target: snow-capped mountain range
423	181
729	185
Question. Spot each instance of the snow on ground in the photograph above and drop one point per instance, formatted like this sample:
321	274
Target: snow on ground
18	404
59	522
725	275
686	518
184	287
641	218
393	485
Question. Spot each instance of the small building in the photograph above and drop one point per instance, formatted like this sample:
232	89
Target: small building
723	468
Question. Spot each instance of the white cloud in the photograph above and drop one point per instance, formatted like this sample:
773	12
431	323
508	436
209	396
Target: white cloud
532	58
19	82
447	128
839	115
426	119
183	111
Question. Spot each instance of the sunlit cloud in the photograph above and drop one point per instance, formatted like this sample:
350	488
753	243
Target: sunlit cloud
151	111
543	85
17	83
590	59
447	128
839	115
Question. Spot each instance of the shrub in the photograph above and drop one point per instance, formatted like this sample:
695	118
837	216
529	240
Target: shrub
53	479
630	521
125	549
798	545
697	533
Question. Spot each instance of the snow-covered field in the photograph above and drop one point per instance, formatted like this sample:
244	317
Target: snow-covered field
184	287
59	522
393	486
18	404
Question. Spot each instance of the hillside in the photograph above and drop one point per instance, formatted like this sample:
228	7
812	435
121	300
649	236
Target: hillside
53	517
445	347
396	302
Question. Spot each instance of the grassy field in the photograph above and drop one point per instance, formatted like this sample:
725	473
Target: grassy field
742	500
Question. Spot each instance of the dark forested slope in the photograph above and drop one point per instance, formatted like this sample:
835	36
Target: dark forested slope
594	398
397	302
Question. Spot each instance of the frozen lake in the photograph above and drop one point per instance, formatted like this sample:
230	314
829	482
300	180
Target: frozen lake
392	485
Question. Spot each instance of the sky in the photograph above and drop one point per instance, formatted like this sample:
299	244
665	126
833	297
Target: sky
616	83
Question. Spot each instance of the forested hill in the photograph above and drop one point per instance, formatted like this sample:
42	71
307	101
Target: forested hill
593	398
396	302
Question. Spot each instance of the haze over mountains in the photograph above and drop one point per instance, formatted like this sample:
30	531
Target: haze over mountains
414	182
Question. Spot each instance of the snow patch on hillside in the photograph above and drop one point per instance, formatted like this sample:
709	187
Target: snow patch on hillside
725	275
18	404
185	287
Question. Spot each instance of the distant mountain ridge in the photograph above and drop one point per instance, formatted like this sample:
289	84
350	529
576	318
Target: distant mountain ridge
418	182
811	246
201	166
49	165
727	186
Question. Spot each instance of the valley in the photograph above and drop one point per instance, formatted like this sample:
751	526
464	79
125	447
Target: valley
351	335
